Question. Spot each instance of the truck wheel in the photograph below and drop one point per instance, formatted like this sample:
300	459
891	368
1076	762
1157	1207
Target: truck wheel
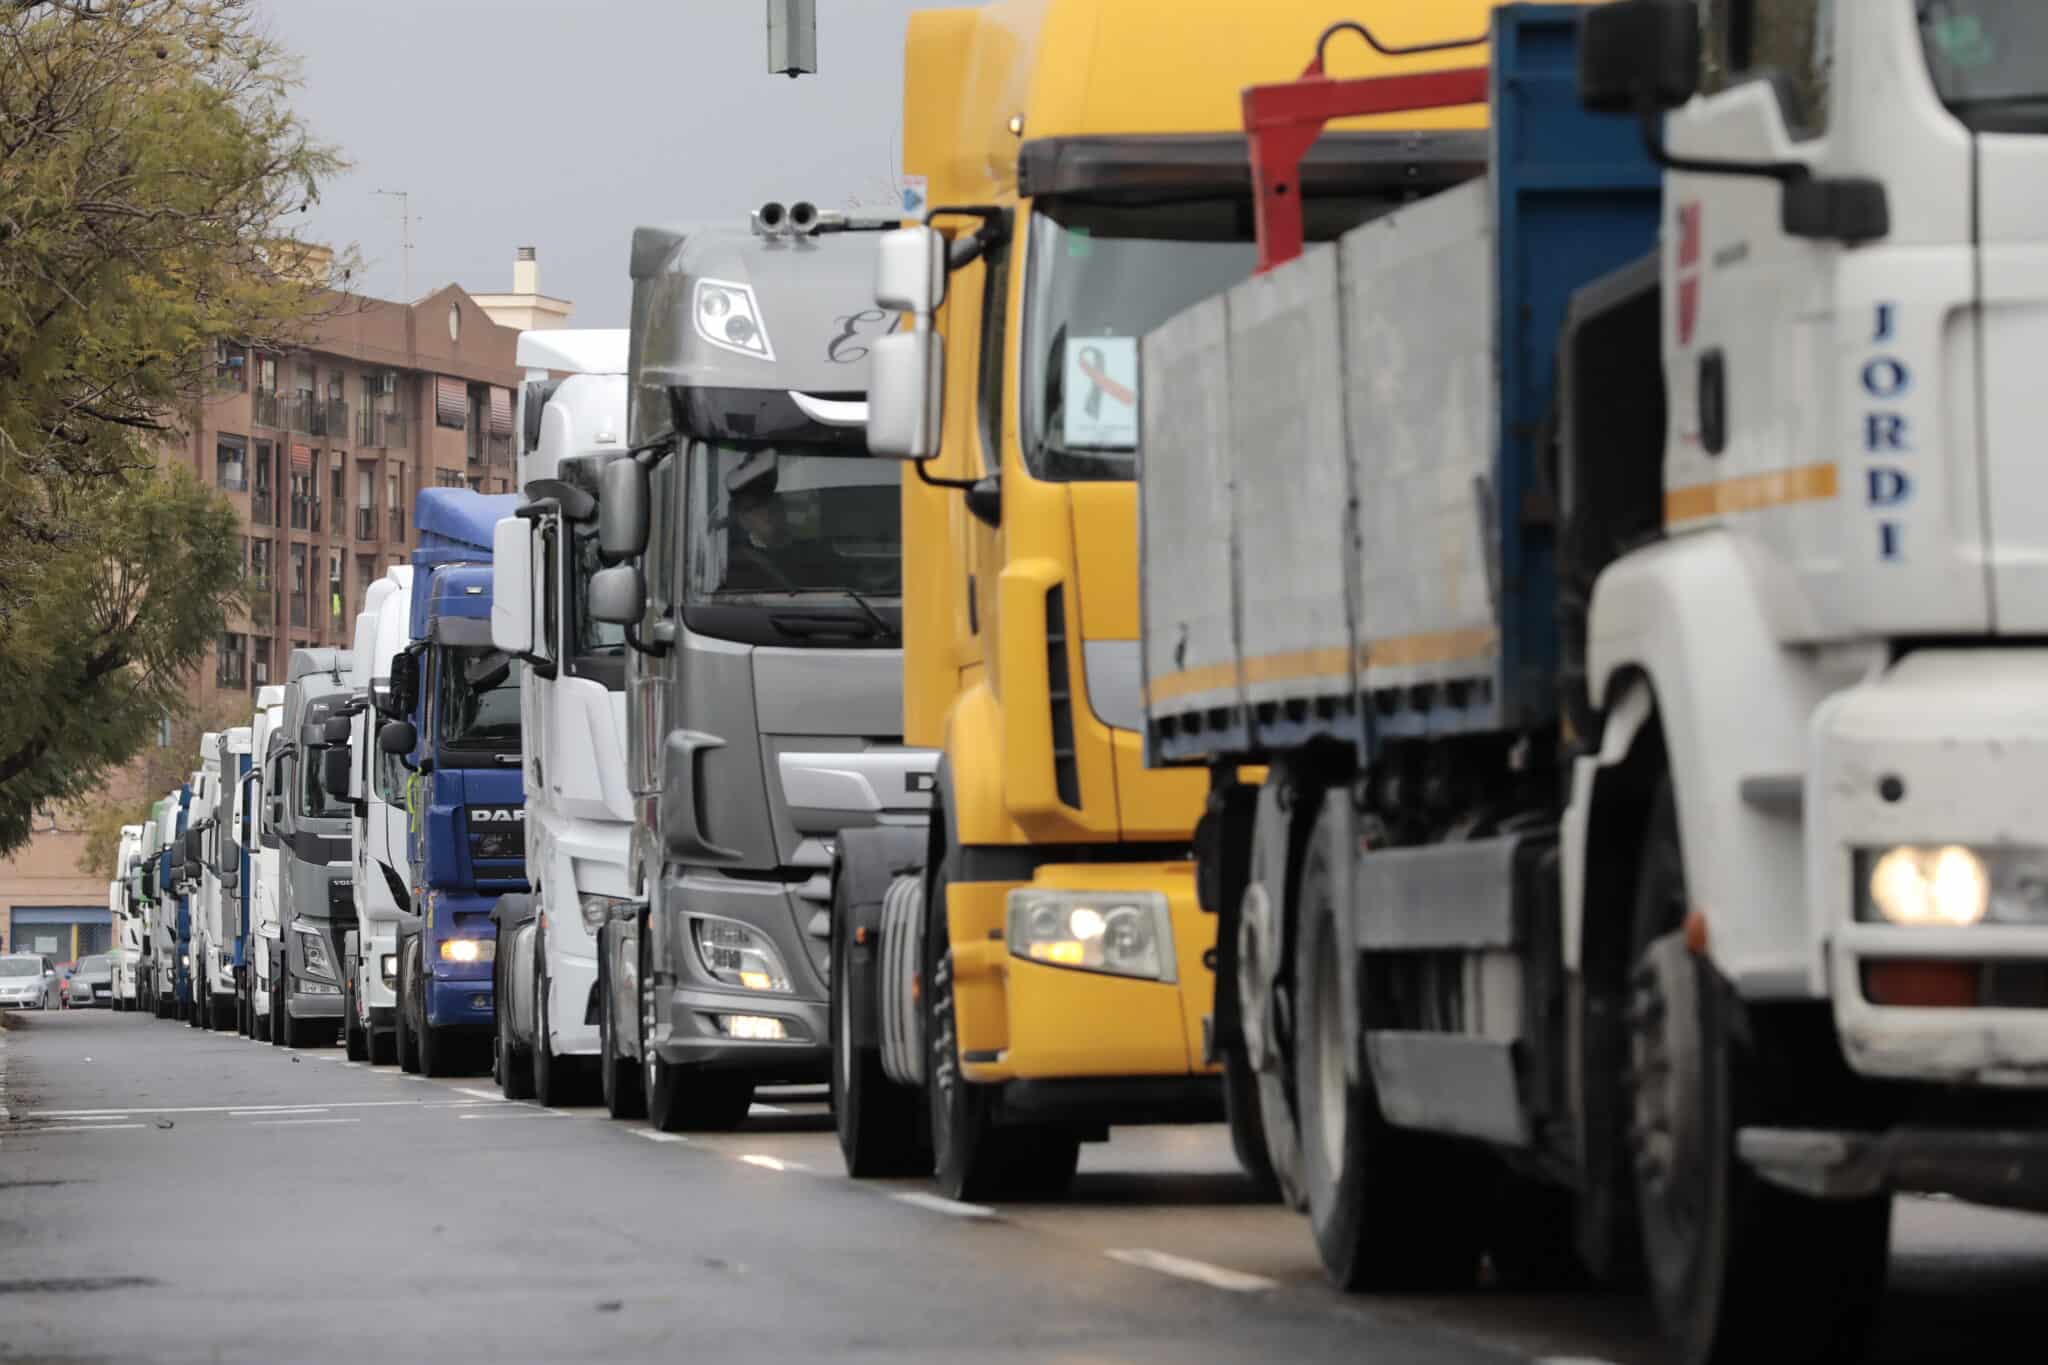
512	1062
259	1024
1242	1107
196	1016
881	1132
297	1033
383	1047
354	1045
618	1077
1389	1209
223	1014
1251	1095
1739	1269
678	1098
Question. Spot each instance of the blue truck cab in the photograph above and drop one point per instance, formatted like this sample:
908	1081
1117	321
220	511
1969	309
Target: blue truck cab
454	723
171	872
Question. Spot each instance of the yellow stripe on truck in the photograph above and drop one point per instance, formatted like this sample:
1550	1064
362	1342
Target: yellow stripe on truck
1399	651
1750	493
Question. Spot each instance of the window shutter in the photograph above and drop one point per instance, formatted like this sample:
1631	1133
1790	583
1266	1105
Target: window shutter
501	411
302	459
451	398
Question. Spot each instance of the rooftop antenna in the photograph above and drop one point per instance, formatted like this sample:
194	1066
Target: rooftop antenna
405	237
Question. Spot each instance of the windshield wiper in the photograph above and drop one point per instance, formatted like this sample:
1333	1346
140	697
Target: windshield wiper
882	626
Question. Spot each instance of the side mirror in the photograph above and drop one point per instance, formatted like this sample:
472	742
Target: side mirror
618	595
910	270
336	730
334	771
398	737
405	682
622	511
1638	55
906	394
512	586
313	734
230	878
191	847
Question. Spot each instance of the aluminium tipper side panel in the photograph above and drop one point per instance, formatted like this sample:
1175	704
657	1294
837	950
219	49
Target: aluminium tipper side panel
1419	363
1184	518
1291	488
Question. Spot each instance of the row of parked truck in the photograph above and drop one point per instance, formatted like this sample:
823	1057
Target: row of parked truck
1492	647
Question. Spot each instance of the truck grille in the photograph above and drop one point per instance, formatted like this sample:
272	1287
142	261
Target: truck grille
1066	772
341	896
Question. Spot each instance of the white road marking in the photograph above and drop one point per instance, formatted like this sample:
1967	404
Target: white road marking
654	1135
283	1123
940	1204
351	1064
772	1163
218	1109
480	1094
267	1110
83	1128
1215	1276
518	1111
767	1109
101	1118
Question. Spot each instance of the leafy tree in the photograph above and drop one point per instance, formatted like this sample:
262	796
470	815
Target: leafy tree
161	768
150	166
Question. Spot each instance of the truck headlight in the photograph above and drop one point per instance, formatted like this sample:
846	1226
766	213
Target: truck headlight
389	967
596	908
313	950
469	950
738	955
1123	933
1952	886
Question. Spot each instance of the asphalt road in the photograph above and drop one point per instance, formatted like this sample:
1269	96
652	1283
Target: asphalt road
167	1194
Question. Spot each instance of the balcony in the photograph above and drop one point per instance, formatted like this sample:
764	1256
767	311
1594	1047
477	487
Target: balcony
385	430
397	523
366	523
265	410
312	514
298	610
261	511
262	605
299	412
498	448
301	507
332	419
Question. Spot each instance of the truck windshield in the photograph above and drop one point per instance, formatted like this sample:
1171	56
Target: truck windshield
1100	277
768	522
314	802
1989	59
478	699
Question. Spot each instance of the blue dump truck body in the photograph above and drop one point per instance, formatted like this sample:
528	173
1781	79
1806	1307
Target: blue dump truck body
467	841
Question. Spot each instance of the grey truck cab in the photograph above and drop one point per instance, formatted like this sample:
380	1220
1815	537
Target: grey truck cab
756	565
316	888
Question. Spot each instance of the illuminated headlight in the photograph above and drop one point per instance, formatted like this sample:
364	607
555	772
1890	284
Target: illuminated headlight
1124	933
185	960
738	956
596	908
1950	886
469	950
313	949
755	1027
728	317
389	967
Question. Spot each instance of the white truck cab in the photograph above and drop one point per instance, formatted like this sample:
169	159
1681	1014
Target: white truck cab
377	783
266	741
579	812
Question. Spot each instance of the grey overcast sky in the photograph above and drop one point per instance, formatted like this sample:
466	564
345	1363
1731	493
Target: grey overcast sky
562	124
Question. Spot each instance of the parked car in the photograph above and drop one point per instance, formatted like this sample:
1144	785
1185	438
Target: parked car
92	982
29	981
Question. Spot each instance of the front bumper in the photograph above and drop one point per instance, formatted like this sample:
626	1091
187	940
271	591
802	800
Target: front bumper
689	1000
303	1005
459	1003
571	979
1950	746
1025	1020
2005	1168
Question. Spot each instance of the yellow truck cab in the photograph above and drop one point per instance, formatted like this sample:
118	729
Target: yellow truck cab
1047	972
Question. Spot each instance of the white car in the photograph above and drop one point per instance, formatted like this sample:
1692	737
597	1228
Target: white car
28	981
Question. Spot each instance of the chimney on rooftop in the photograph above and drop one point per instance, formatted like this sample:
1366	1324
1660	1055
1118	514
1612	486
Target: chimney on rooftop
526	272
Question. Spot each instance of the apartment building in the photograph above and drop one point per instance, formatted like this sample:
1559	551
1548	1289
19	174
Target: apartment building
321	449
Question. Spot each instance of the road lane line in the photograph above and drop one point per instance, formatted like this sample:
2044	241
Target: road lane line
479	1094
767	1109
940	1204
654	1135
1215	1276
267	1111
772	1163
292	1123
101	1118
217	1109
81	1128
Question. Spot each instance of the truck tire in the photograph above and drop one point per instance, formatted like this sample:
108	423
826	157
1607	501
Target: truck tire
354	1044
224	1013
972	1158
512	1062
1243	1110
197	1017
882	1132
384	1047
1391	1210
618	1077
408	1042
1739	1269
684	1099
297	1033
556	1080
